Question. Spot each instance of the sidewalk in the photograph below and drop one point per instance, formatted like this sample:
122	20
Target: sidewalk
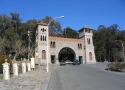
33	80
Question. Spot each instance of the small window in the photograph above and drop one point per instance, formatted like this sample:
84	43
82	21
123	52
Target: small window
43	29
52	44
45	38
85	30
88	41
79	46
41	38
89	31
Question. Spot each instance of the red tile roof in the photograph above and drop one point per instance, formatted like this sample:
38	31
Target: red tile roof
42	23
66	39
85	27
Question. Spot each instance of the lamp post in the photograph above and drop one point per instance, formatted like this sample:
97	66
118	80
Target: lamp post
122	49
28	45
47	67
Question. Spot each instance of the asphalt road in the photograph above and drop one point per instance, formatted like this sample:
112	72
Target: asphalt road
86	77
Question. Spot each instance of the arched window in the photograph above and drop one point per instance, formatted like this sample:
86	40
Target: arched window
45	38
51	43
54	44
89	31
90	55
81	46
78	45
43	29
41	37
88	40
43	54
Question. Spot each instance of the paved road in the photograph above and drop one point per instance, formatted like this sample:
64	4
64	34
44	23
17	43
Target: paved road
86	77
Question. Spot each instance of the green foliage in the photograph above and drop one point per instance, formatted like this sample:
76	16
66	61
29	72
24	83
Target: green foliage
106	46
116	66
54	26
70	33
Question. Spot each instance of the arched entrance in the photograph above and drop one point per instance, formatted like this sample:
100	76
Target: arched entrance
67	54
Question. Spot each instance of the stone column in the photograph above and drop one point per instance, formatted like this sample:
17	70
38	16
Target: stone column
15	68
32	63
6	72
23	67
57	61
28	66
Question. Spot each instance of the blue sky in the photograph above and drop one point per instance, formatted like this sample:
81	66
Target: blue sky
77	12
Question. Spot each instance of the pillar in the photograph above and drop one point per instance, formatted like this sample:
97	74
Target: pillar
15	69
28	66
6	72
23	67
32	63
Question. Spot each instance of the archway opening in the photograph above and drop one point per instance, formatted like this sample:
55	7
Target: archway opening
66	54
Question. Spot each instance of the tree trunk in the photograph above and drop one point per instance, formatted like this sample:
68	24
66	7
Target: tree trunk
14	57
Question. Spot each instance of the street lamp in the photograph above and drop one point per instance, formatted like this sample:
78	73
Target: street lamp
28	45
47	67
29	32
122	49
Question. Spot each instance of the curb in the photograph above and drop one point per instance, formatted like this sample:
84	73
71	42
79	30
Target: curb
46	84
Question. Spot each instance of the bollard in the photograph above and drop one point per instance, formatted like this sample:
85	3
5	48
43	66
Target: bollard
6	73
23	67
15	68
28	66
32	63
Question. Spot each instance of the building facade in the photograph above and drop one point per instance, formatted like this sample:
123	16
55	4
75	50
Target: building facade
54	49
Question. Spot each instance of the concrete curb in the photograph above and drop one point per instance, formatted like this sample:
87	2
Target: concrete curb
46	84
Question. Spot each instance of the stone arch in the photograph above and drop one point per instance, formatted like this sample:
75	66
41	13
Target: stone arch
90	56
66	53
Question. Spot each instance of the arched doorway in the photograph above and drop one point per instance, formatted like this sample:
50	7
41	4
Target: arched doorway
90	56
43	54
66	53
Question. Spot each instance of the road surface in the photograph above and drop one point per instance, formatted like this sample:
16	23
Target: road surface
86	77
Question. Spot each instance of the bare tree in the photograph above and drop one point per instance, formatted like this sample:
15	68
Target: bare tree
18	48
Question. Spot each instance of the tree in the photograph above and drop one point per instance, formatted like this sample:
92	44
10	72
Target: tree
70	33
1	45
54	27
106	47
15	20
18	48
4	24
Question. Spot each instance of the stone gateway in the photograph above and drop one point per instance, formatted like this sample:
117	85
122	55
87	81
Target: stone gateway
56	49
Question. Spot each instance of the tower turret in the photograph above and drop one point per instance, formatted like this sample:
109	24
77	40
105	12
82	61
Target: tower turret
42	42
86	34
